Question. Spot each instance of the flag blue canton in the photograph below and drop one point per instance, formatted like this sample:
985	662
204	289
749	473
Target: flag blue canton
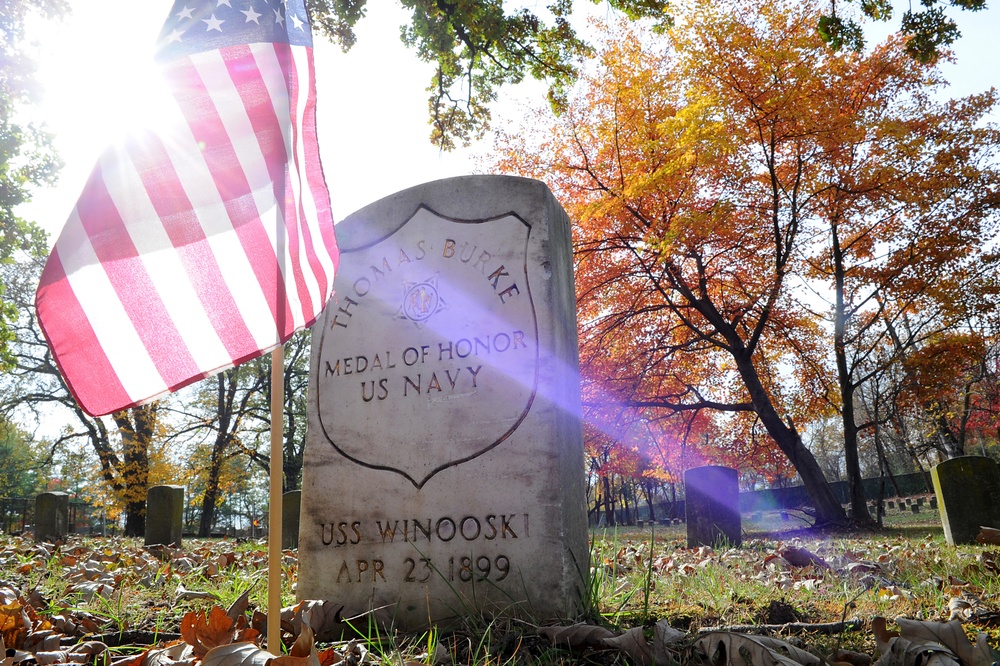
201	25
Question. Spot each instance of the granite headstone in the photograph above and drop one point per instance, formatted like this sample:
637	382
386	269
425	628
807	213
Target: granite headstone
291	504
164	515
968	494
443	471
712	506
51	516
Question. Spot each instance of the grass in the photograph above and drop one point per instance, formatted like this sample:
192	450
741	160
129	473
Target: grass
638	576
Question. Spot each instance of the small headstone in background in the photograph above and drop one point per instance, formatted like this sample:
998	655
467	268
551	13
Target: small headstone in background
920	501
164	515
51	516
968	494
915	508
890	505
933	502
291	502
712	501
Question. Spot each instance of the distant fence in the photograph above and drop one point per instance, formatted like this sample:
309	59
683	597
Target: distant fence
779	499
17	514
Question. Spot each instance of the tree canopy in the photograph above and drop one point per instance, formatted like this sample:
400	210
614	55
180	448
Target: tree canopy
26	156
479	46
751	205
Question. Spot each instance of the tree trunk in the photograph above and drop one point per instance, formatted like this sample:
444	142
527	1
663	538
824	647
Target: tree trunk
137	427
828	509
211	498
226	385
649	492
845	380
855	486
609	505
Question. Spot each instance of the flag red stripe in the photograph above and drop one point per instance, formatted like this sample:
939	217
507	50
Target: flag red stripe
136	291
208	130
317	183
171	203
291	208
306	251
82	355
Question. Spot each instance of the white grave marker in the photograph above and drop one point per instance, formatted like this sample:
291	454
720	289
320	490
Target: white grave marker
443	471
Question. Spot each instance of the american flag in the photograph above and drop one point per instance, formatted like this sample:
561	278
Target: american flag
208	240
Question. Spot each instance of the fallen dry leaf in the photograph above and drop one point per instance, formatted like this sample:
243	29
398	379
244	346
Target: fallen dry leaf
800	557
303	651
951	635
203	632
849	658
634	644
14	625
730	649
238	654
579	635
184	594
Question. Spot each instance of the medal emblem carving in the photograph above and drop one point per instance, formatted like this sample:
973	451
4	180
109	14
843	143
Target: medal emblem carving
432	344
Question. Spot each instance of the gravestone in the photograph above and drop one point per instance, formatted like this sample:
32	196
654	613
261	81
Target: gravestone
914	508
968	495
51	516
164	515
291	503
712	506
443	471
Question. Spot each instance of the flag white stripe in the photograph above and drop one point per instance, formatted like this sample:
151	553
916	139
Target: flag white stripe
225	96
100	303
237	271
308	202
163	264
274	80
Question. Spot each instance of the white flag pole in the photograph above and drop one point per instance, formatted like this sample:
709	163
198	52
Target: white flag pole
274	512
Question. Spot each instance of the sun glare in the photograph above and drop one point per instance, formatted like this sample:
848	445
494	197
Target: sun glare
98	82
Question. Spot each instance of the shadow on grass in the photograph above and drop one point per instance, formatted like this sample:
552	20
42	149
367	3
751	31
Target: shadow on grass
797	524
915	531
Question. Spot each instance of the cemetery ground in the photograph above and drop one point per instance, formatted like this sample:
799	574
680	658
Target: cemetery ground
796	595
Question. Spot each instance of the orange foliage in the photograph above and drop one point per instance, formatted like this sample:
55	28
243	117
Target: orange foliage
709	173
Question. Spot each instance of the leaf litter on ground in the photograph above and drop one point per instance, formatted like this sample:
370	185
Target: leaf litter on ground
62	600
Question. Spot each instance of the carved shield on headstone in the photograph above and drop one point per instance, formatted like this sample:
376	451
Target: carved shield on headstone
429	350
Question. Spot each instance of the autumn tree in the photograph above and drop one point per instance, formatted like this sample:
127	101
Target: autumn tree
23	461
296	385
706	173
905	188
478	46
27	159
949	383
217	410
689	197
34	389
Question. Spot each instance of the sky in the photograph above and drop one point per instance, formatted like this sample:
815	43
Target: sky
96	72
